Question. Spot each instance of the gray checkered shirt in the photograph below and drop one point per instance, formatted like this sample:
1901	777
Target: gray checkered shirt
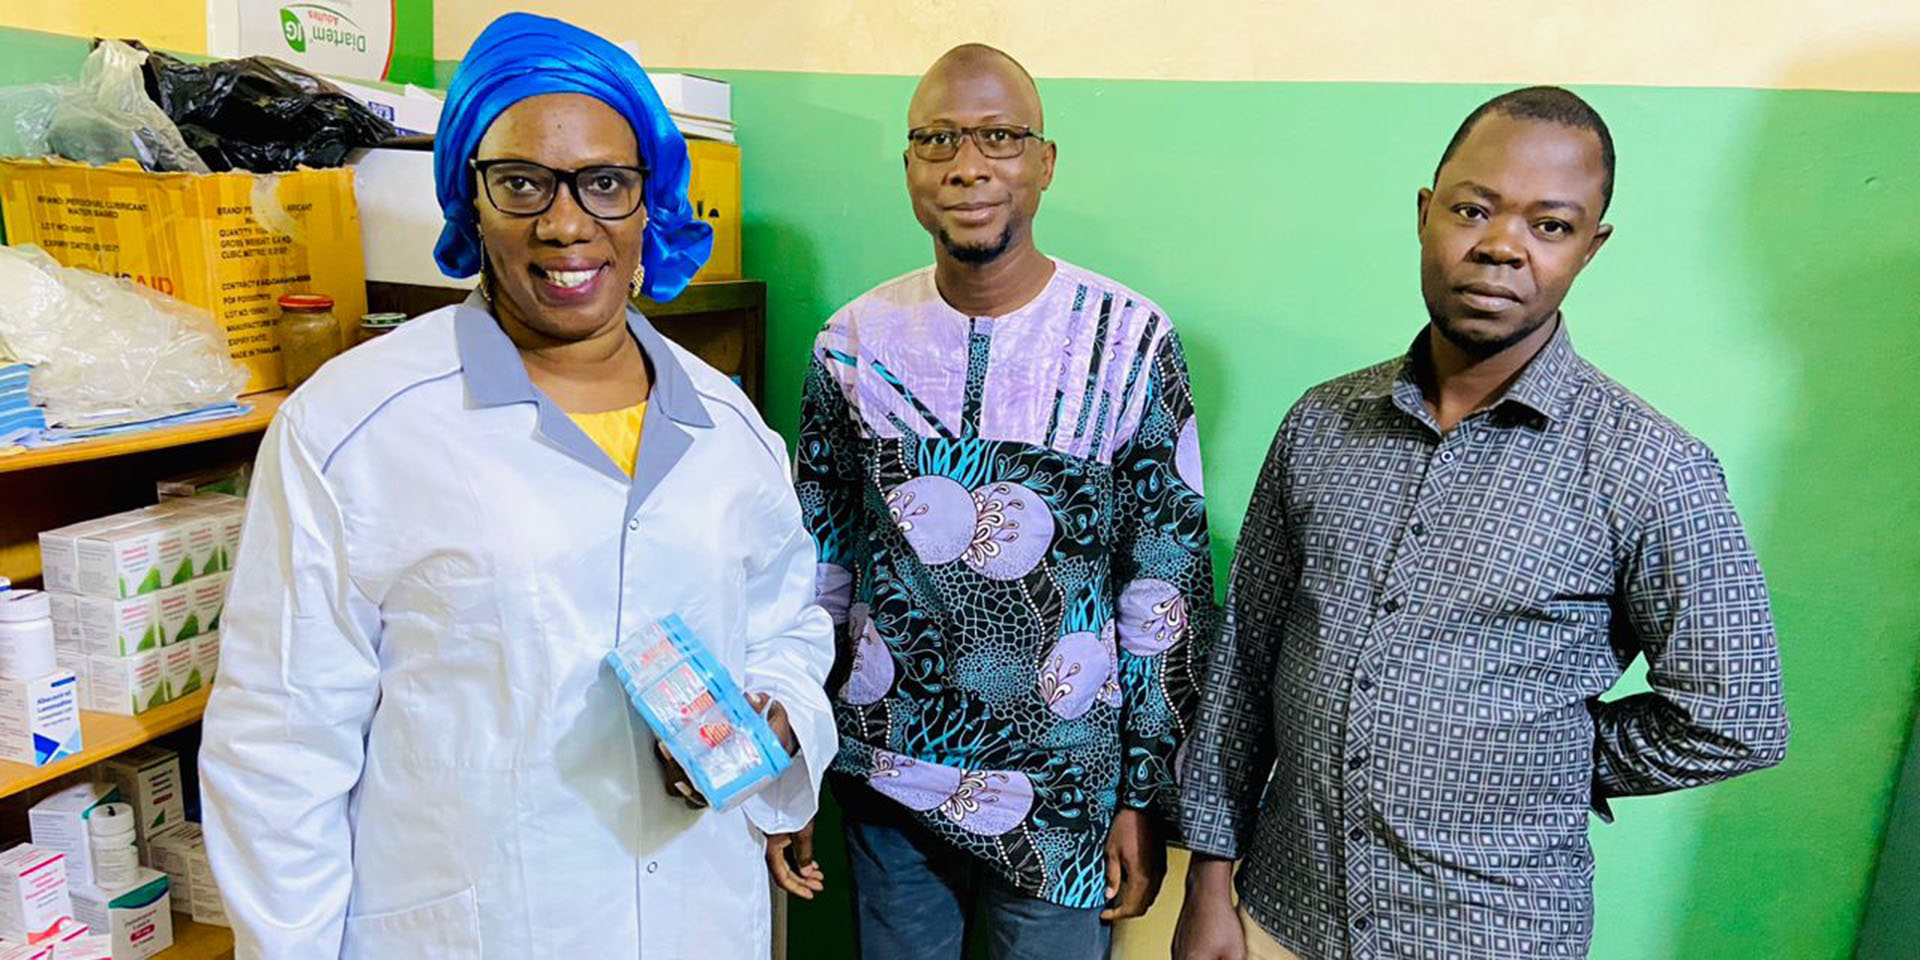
1401	732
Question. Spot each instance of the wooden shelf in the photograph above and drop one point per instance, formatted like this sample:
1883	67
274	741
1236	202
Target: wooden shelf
103	735
197	941
263	405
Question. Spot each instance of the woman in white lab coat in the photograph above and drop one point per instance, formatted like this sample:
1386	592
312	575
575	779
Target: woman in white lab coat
413	749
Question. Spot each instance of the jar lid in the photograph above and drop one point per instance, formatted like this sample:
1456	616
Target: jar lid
306	301
24	606
383	319
110	819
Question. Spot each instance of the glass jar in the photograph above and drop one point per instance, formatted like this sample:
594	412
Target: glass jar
375	324
309	336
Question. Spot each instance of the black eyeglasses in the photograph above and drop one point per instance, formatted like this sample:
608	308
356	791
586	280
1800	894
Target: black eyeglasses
522	188
997	142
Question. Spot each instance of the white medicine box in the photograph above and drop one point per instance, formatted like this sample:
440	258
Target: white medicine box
40	719
59	823
148	777
34	901
172	854
139	917
128	685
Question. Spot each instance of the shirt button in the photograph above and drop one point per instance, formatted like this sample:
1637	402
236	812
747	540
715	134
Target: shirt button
1359	760
1446	456
633	524
1392	605
1356	834
1419	529
1362	924
1366	684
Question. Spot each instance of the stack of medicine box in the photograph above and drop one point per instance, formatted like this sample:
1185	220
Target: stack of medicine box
137	599
133	914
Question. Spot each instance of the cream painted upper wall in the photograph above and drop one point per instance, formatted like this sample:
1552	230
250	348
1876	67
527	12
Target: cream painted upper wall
166	24
1836	44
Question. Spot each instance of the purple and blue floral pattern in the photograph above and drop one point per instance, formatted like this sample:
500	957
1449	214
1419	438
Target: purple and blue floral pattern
1013	534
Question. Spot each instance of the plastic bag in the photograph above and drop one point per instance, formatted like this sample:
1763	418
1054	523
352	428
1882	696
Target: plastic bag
107	116
26	113
261	114
105	347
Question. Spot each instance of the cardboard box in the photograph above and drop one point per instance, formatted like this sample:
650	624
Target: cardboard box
148	778
714	191
90	946
59	823
202	531
180	669
40	719
127	685
65	614
138	918
59	550
209	602
229	243
34	899
80	665
175	604
118	628
206	656
208	906
135	559
173	854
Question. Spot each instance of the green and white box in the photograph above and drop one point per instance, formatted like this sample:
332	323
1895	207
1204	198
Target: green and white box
206	656
209	602
149	778
133	560
176	609
180	669
112	627
128	685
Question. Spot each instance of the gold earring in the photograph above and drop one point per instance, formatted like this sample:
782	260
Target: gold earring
639	278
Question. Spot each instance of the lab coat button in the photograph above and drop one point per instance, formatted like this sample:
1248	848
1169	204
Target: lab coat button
653	867
633	524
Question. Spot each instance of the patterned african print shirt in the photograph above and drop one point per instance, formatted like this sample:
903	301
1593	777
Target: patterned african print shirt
1014	542
1420	627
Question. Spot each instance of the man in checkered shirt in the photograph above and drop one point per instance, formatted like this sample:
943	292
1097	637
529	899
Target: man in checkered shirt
1449	558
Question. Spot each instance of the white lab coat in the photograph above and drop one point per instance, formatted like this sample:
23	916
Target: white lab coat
414	749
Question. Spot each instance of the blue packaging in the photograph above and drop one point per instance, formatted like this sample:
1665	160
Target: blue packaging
691	703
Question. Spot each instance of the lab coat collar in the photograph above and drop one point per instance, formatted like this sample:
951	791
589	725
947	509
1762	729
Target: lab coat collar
495	376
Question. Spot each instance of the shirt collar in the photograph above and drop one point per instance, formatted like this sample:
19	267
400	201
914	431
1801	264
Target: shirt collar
1544	387
496	376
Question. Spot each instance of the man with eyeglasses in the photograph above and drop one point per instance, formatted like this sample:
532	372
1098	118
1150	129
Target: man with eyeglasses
1000	464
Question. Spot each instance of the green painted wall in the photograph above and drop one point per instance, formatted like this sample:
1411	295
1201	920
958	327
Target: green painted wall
1763	287
1892	925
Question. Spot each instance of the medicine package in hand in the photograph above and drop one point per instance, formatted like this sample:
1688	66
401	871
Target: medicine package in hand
692	704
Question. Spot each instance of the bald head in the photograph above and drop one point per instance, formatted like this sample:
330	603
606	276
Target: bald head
974	84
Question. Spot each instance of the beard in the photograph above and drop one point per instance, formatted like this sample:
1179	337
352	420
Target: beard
1480	345
977	254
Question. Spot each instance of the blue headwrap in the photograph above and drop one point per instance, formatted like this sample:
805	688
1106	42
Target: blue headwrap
521	55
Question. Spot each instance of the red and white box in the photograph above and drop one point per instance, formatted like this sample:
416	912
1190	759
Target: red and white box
34	902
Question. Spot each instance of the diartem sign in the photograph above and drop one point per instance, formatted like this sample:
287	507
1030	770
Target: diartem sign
308	24
345	38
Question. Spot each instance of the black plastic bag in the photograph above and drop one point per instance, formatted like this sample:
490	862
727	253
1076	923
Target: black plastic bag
260	114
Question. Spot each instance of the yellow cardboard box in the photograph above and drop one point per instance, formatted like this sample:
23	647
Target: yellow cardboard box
229	243
713	187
